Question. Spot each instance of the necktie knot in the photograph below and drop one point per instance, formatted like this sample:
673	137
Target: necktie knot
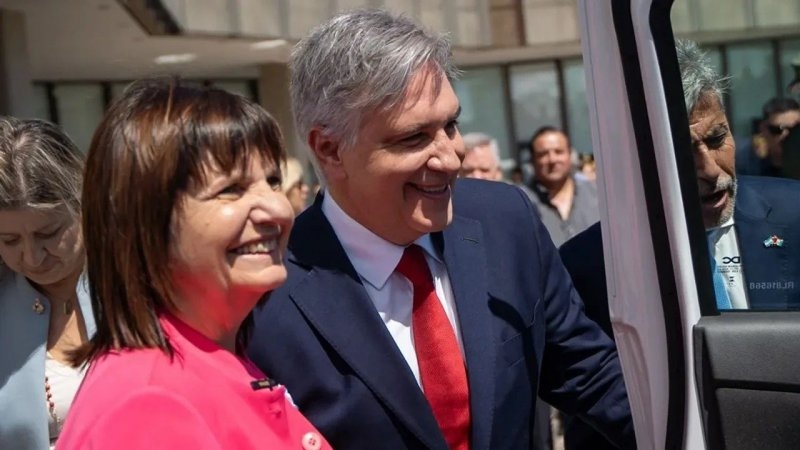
414	267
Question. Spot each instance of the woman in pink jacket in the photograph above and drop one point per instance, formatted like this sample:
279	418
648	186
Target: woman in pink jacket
185	227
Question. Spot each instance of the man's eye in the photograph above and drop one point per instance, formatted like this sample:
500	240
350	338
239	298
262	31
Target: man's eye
11	241
451	127
413	140
716	141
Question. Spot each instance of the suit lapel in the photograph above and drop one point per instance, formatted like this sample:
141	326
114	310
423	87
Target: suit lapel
336	304
465	259
761	264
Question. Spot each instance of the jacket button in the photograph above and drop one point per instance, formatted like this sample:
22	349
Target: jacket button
312	441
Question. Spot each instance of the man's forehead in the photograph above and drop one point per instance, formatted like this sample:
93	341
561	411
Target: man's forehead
707	112
550	139
424	96
786	117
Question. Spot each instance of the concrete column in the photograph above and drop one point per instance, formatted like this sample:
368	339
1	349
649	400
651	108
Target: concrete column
273	86
16	87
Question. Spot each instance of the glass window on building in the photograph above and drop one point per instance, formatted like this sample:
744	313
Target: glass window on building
753	82
534	101
715	57
789	53
118	88
41	108
80	108
577	108
240	87
483	107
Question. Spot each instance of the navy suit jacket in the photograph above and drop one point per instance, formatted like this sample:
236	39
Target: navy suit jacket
521	324
764	207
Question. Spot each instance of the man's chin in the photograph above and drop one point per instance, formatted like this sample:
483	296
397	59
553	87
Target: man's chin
432	223
717	218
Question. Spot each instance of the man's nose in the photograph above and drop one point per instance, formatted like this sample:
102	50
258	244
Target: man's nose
706	166
448	155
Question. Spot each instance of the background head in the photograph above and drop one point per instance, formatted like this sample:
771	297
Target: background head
779	116
551	156
356	64
712	141
481	157
178	179
41	173
293	185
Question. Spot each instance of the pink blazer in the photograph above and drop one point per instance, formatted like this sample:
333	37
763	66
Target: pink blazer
202	398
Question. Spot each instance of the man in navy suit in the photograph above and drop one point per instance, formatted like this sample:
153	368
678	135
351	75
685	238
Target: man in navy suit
420	311
752	223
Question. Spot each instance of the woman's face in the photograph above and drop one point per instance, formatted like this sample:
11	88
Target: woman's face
228	237
44	245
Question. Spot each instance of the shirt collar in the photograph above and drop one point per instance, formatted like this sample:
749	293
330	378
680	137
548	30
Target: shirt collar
544	193
373	257
713	232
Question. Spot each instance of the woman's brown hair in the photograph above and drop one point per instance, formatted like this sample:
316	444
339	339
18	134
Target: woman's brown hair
153	142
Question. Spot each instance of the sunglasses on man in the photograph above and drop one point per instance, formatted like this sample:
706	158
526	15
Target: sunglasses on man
779	129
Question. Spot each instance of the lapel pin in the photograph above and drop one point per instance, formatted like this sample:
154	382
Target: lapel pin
773	241
38	307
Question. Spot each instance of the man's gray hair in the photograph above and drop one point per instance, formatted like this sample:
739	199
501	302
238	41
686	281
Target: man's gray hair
474	140
698	75
40	167
358	63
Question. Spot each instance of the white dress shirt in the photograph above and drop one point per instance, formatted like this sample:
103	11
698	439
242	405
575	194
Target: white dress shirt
375	260
725	247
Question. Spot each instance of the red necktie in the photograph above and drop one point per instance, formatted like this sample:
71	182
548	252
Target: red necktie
441	368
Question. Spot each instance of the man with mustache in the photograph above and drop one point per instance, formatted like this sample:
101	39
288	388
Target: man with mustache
751	223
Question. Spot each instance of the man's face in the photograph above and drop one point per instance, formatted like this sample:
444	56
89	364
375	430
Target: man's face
776	128
481	163
714	151
397	179
551	159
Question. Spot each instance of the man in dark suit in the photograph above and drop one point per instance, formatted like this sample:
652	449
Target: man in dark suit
751	223
420	312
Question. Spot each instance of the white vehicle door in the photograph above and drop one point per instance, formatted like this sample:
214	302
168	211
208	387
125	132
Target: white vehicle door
696	377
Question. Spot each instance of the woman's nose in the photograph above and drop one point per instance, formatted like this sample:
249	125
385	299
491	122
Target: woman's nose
32	254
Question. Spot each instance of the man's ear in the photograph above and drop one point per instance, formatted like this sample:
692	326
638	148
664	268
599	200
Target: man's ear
327	150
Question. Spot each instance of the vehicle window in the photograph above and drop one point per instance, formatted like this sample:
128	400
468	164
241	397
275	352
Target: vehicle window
746	149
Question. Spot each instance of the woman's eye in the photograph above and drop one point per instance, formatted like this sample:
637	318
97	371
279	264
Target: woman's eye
274	182
233	189
48	235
